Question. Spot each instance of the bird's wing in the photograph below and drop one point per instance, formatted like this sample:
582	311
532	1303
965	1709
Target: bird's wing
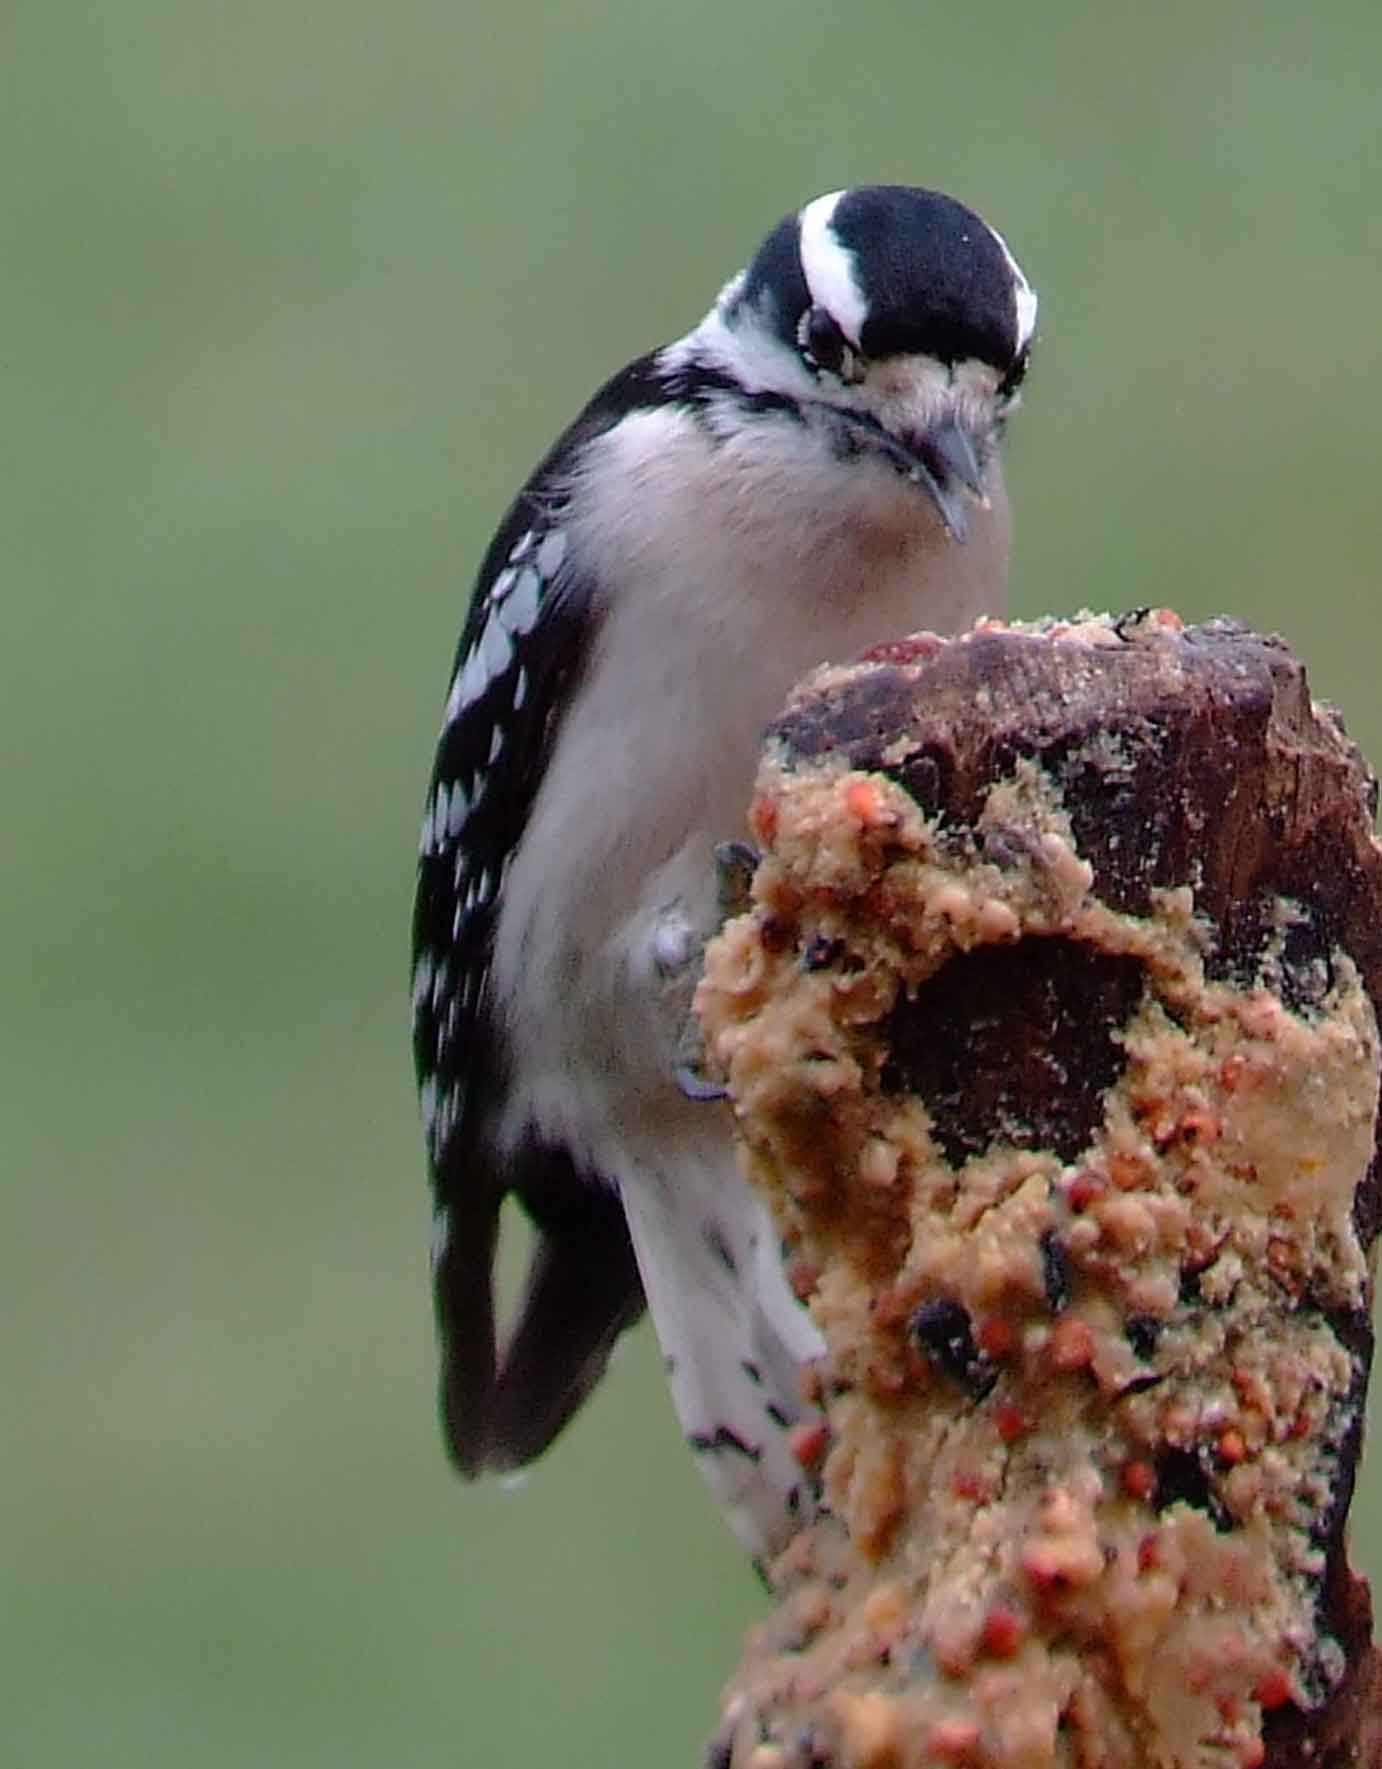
527	634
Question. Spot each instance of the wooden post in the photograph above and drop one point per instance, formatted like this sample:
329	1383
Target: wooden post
1052	1037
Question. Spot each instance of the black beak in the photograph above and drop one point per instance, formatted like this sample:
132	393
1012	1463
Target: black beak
943	461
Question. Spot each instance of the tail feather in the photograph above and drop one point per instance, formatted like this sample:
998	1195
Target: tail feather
582	1292
463	1282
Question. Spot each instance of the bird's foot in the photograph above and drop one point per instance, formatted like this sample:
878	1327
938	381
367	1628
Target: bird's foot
677	947
735	864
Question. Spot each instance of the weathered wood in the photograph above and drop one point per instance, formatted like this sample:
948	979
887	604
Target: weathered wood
1052	1038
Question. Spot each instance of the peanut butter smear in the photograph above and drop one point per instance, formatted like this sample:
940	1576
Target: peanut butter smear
1085	1395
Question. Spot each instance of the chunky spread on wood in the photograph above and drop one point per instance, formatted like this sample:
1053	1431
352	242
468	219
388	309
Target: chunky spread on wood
1066	1112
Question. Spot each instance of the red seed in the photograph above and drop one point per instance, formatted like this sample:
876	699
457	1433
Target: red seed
919	648
994	1336
1084	1189
1010	1421
1003	1632
1138	1479
763	817
1272	1689
807	1441
1047	1567
864	802
1231	1446
1149	1552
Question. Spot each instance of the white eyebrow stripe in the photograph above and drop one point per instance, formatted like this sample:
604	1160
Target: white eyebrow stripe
1024	295
828	267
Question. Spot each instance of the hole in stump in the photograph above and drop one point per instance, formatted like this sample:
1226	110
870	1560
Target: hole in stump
1015	1044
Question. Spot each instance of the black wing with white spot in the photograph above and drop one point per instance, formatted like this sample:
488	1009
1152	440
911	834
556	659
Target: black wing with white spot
521	642
525	641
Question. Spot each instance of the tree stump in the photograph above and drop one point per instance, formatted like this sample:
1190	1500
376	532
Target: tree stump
1052	1037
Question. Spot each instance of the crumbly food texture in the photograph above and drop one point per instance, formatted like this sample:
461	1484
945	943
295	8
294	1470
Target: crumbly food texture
1086	1404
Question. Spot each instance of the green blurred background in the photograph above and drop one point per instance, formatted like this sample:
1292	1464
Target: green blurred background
292	294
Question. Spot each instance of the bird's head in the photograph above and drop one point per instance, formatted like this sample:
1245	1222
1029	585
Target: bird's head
893	322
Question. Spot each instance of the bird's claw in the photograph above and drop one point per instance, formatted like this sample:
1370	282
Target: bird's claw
696	1085
735	864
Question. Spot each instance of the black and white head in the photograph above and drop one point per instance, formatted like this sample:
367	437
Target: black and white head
894	323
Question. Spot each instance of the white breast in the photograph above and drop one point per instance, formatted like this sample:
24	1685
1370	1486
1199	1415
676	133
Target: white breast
736	568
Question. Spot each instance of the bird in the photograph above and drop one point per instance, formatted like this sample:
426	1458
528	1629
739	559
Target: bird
812	468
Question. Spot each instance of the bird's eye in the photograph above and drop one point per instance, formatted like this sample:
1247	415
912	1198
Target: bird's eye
825	346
